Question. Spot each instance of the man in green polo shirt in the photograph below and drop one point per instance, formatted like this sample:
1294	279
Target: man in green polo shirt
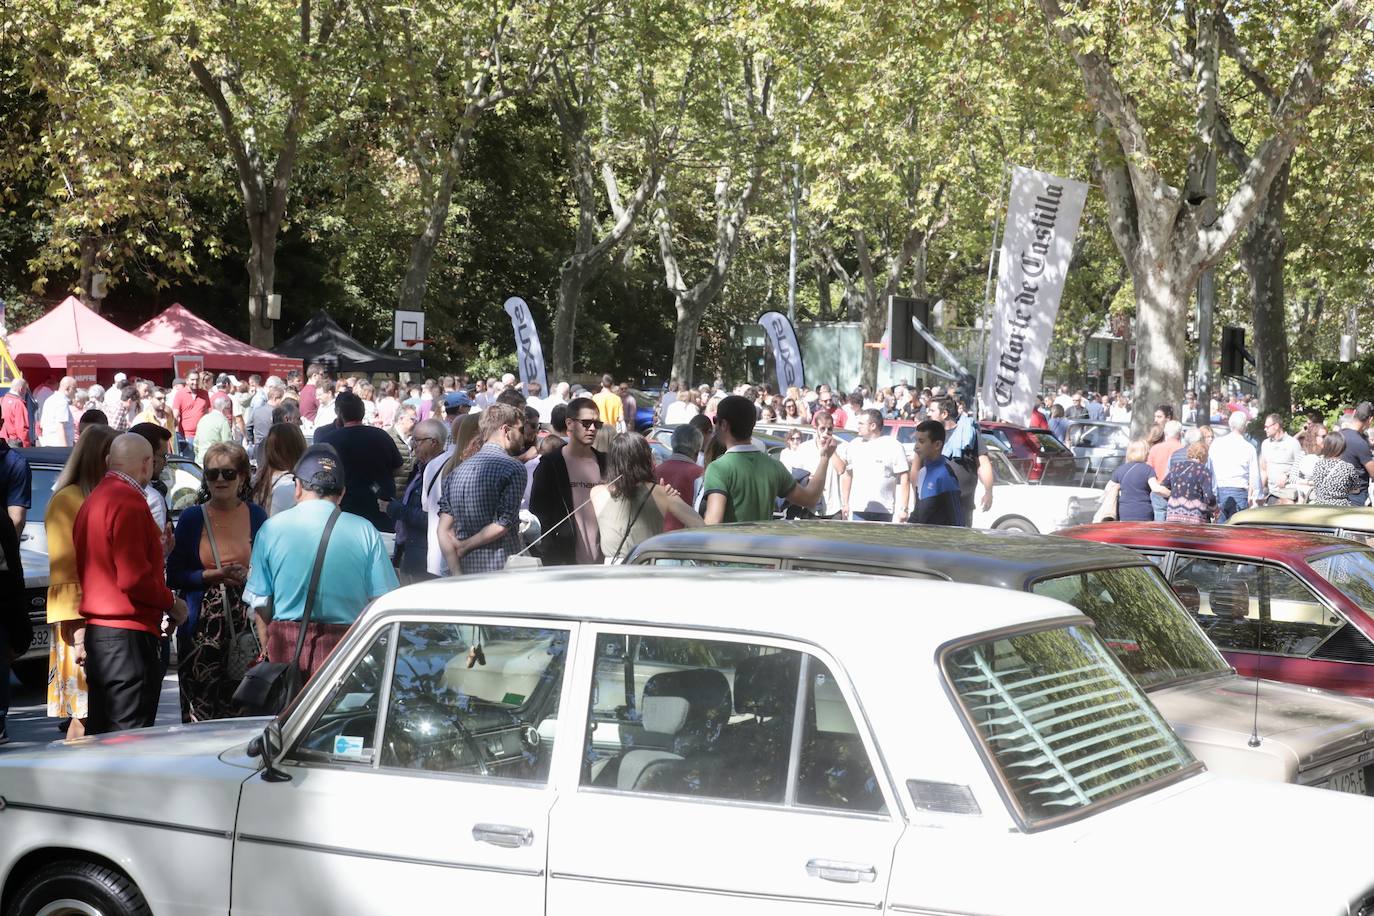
742	484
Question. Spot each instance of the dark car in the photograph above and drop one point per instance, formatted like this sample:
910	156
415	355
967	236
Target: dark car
1038	455
1137	615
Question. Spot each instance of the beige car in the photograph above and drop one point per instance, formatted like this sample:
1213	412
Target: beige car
1351	522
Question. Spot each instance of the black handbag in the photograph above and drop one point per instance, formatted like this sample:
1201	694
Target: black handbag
267	688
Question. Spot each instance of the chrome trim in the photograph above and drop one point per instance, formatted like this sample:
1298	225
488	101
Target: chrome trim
7	805
985	752
927	911
735	803
789	798
716	892
384	857
1321	773
383	701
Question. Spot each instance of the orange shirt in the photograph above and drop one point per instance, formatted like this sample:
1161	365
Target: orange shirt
1160	453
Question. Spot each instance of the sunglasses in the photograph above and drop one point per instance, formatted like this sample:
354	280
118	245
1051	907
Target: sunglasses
588	424
213	474
418	439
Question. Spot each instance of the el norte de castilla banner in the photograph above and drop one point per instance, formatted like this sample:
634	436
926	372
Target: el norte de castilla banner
1042	221
786	354
528	353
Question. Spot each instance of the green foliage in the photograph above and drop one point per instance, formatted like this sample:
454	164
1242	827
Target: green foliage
490	361
1331	387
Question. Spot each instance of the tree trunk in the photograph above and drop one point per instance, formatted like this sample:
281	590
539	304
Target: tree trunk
90	248
689	315
1262	254
262	275
874	323
823	290
1161	307
572	279
412	293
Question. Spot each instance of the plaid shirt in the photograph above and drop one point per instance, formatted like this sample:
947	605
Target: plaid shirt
483	489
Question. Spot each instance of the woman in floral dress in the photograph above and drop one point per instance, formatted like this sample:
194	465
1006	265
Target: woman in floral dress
1192	492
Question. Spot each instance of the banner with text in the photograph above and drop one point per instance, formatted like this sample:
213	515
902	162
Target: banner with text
1042	220
786	354
183	364
527	350
83	369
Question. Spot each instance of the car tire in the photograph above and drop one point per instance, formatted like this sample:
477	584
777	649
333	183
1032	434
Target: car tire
74	888
1016	523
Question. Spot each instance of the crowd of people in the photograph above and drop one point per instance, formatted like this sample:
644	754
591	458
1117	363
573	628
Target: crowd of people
453	476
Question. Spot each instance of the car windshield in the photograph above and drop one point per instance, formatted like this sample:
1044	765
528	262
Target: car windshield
43	479
1141	621
1062	723
1004	472
1352	572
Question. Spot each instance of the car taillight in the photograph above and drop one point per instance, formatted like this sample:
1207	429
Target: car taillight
1037	468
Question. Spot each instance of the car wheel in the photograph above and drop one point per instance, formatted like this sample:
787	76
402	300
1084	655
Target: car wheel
75	888
1016	523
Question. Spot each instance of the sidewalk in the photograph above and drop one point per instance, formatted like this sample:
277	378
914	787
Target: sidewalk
29	726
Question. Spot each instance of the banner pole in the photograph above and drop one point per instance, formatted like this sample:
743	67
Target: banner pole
997	215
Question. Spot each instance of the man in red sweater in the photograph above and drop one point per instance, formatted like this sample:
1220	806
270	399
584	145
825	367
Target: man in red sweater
123	592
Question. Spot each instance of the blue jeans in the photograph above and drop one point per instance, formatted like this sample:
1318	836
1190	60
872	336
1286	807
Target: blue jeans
1231	500
1361	498
1160	505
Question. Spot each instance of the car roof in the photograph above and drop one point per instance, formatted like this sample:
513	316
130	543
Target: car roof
1266	543
1361	519
46	454
1006	559
795	605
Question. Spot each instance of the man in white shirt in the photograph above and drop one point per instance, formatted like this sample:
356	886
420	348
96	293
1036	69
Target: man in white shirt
1235	467
1279	456
112	395
805	455
681	410
873	467
55	422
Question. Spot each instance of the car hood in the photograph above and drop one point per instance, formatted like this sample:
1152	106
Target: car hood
35	565
182	775
1313	725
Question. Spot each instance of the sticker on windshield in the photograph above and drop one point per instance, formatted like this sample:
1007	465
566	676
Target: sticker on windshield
348	746
352	701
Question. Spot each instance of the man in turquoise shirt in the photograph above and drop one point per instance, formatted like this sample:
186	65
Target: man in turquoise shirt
356	567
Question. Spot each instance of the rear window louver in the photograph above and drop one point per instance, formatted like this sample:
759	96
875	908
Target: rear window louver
1068	738
1346	645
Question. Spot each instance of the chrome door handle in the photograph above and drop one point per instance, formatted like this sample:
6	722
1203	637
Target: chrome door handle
841	872
503	835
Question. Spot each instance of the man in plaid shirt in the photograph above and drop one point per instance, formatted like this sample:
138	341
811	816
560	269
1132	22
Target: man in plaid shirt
479	512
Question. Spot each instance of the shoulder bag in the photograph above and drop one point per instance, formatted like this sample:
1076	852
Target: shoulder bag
242	649
267	688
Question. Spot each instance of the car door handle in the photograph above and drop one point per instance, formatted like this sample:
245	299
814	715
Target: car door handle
841	872
503	835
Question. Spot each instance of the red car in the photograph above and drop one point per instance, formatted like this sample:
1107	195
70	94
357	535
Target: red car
1288	605
1039	456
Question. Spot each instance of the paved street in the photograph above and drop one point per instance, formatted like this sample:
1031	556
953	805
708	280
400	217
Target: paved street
28	723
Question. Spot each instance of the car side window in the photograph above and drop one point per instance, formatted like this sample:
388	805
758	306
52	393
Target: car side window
345	730
474	699
717	719
1249	607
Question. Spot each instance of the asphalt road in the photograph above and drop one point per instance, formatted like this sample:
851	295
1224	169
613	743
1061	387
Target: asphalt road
28	723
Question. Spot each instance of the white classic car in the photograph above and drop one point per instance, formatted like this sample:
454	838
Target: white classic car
1036	508
492	744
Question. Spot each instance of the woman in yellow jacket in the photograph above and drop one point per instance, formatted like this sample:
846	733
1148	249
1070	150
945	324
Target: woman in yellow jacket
66	680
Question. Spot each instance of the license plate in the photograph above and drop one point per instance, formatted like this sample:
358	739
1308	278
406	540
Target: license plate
1351	781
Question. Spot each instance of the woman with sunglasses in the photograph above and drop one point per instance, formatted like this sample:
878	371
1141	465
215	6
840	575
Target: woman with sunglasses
791	413
209	565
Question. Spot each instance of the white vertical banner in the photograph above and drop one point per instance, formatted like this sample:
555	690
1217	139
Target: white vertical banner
786	354
528	353
1042	220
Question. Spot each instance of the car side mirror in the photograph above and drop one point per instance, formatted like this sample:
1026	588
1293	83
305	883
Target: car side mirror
1188	593
1230	600
268	746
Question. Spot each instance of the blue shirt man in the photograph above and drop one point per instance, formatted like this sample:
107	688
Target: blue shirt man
356	567
937	490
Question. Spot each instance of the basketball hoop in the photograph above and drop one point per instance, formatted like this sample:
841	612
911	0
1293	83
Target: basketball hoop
416	341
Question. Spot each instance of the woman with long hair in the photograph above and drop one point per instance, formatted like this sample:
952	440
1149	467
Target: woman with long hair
84	469
275	487
791	413
388	405
630	507
209	565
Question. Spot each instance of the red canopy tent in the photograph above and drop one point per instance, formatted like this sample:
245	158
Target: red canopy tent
71	329
178	330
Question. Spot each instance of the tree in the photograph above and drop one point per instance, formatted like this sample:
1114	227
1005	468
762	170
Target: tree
265	67
1161	229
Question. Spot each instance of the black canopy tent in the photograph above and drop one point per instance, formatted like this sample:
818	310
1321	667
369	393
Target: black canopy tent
323	341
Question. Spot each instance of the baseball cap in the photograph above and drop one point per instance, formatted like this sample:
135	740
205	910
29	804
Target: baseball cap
455	399
120	377
320	469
